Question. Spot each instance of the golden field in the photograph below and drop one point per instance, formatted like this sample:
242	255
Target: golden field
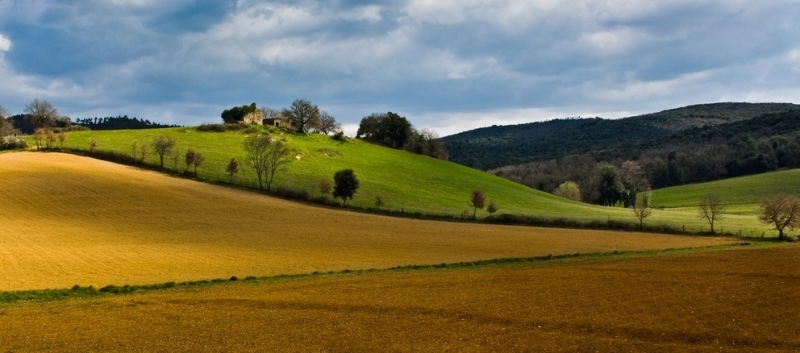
737	300
67	220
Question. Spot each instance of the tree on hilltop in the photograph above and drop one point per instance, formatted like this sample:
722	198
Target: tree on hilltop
303	115
42	114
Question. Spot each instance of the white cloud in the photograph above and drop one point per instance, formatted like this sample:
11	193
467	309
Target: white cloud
5	43
369	13
614	41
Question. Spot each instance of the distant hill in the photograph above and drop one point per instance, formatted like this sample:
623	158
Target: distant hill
498	146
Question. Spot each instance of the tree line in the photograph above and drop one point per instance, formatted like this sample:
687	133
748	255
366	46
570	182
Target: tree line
767	143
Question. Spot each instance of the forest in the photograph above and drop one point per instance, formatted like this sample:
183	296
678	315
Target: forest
697	154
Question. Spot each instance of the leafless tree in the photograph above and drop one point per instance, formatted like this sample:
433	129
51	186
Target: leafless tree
324	186
199	160
327	123
303	115
189	159
174	156
51	138
38	137
92	146
144	151
278	159
62	137
270	113
267	158
711	208
5	125
781	211
42	113
232	168
642	209
255	148
477	201
163	146
378	202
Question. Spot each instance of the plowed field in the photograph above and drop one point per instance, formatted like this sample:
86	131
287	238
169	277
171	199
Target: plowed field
732	301
67	220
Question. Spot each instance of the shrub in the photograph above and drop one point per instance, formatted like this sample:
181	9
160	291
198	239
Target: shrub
339	136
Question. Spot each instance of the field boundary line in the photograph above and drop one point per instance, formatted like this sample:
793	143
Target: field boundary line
77	291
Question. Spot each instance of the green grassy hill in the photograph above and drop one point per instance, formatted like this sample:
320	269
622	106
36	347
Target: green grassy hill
742	194
403	180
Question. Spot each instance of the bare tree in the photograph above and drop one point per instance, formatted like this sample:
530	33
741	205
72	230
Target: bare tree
92	146
189	159
174	156
42	113
303	115
144	151
232	168
38	137
199	160
327	123
278	159
378	202
711	208
163	146
781	211
51	138
270	113
267	158
255	148
62	137
477	201
642	209
5	125
324	186
135	148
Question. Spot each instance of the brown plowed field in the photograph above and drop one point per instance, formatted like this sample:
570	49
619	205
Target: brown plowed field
743	300
67	220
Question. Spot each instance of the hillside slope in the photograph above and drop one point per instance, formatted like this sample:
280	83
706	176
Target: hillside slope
746	190
498	146
67	220
403	180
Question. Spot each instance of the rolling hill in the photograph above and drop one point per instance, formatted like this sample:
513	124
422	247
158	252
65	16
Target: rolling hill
405	182
67	220
498	146
741	194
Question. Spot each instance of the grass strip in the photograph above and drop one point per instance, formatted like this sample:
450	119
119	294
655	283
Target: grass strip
77	291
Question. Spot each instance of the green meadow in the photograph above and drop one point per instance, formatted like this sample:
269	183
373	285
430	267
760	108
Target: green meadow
741	194
404	181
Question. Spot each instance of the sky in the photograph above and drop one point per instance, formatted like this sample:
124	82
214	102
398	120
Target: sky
446	65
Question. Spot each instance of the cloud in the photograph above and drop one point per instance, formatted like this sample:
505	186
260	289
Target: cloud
445	64
5	43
